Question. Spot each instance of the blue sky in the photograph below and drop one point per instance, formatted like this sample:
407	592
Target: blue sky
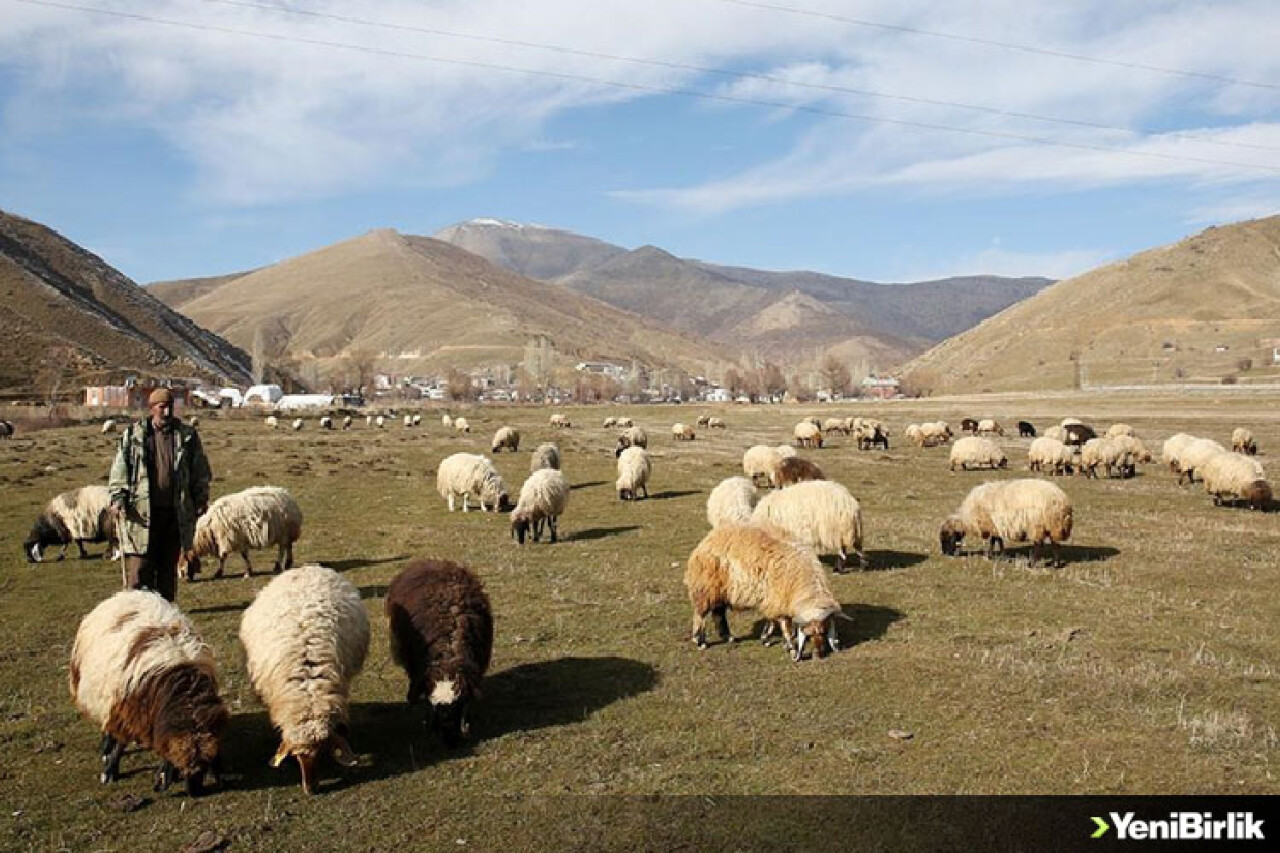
241	132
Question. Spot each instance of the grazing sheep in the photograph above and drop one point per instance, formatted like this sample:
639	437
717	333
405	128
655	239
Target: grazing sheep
417	420
831	425
820	514
1172	450
446	421
543	499
305	638
610	422
1057	433
108	426
141	673
441	629
461	425
1113	456
1048	455
257	517
633	473
1119	429
704	420
505	438
368	420
6	429
740	567
1134	446
79	516
1242	441
272	422
969	425
468	475
379	421
973	452
1231	478
760	461
989	426
624	423
560	421
1010	511
408	421
631	437
346	422
1195	455
297	424
193	421
807	434
913	434
870	433
326	422
1078	434
716	423
1026	429
935	433
812	419
545	456
682	432
1066	422
794	470
731	502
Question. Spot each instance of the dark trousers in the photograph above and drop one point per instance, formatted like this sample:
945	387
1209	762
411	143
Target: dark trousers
158	569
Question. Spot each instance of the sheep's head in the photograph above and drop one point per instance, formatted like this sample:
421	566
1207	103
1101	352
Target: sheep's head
449	713
1257	494
188	729
47	530
520	525
310	752
951	535
188	564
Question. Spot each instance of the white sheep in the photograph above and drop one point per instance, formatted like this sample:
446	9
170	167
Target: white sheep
1050	455
461	425
1119	429
507	438
633	473
914	434
610	422
326	422
740	567
990	426
79	516
820	514
258	517
624	423
1113	456
716	423
1010	511
408	421
544	456
731	502
109	425
446	421
807	434
682	432
380	422
1195	455
560	421
346	422
297	424
1172	450
1242	441
272	422
543	499
760	461
368	420
193	421
1057	433
141	672
974	452
305	638
831	425
469	475
417	419
632	436
1134	446
1231	477
934	433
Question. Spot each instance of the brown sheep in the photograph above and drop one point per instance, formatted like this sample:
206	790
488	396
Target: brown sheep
794	470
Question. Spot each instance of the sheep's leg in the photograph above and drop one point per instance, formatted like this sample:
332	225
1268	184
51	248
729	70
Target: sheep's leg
699	631
248	568
766	633
222	564
646	491
288	556
112	750
62	555
787	628
84	555
450	502
465	508
722	624
279	564
551	522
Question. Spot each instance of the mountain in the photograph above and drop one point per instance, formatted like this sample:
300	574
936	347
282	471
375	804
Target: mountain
425	305
756	311
179	292
69	318
1194	311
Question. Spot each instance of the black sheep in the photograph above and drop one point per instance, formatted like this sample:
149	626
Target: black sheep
1026	430
442	634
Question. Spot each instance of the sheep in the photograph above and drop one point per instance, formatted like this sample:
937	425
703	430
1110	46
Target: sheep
973	452
79	516
258	517
446	421
610	422
704	420
1067	422
141	672
682	432
807	434
326	422
441	630
812	419
1110	454
740	567
624	423
716	423
1195	455
368	420
1010	511
935	433
731	502
1078	434
831	425
1026	429
1134	446
408	421
1231	477
1119	429
760	461
305	638
461	425
272	422
631	437
108	426
1242	441
870	433
560	421
297	424
471	475
545	456
820	514
969	425
193	421
417	419
1172	450
379	421
633	473
543	499
794	470
6	429
1057	433
1050	455
346	422
989	426
506	437
913	434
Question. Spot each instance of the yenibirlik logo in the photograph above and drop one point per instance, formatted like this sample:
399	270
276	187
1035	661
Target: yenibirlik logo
1183	826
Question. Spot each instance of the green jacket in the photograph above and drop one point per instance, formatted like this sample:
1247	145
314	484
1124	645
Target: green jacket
131	489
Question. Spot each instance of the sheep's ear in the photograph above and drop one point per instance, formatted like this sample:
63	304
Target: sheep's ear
281	754
840	614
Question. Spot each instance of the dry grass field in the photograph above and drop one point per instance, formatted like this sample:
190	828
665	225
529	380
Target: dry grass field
1147	664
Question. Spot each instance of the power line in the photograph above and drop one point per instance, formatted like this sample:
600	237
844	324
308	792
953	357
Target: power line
650	89
720	72
1024	48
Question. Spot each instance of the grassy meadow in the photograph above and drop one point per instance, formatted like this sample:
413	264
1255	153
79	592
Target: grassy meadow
1147	664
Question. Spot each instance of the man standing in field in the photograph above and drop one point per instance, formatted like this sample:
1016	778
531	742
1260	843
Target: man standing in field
159	485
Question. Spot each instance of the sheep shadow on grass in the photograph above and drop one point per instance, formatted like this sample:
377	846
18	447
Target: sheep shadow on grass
593	533
863	622
360	563
588	485
671	493
884	561
557	692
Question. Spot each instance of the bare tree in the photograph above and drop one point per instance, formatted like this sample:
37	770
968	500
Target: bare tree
361	368
835	375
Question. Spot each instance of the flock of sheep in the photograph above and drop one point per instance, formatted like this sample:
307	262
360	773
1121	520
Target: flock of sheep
140	671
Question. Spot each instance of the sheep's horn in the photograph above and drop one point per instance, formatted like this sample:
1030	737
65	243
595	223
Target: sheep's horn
833	639
342	752
801	637
281	754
